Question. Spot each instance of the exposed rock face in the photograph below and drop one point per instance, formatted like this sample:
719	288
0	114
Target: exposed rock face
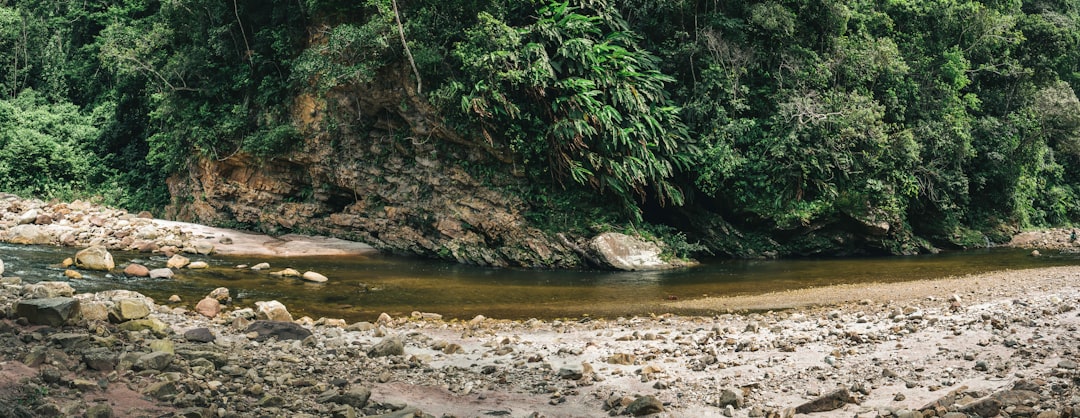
399	195
624	252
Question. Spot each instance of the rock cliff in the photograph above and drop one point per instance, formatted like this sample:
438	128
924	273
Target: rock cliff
376	166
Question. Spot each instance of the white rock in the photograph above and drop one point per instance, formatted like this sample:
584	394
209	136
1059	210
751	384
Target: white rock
312	276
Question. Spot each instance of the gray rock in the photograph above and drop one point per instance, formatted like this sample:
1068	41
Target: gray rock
278	329
730	397
44	290
986	407
1067	364
94	258
571	372
356	397
828	402
162	390
157	360
101	410
389	346
100	359
164	273
199	335
644	405
406	412
52	311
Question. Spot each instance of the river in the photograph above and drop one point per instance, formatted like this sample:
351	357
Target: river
362	287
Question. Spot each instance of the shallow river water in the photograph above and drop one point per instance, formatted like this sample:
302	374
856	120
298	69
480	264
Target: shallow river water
361	287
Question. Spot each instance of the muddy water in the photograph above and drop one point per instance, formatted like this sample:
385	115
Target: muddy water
362	287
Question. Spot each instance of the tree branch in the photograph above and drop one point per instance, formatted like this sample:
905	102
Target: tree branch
408	53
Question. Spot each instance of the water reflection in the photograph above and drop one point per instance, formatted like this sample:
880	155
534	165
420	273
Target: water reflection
362	287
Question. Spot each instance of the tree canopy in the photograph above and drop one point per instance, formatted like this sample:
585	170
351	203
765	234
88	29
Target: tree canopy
950	120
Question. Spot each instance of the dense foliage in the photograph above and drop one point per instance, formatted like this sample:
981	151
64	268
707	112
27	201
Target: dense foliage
950	120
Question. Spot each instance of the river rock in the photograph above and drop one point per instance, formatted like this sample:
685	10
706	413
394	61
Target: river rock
1	267
644	405
136	270
28	235
204	248
272	311
260	266
287	273
73	275
100	359
208	307
355	397
198	265
27	217
200	335
221	294
730	397
91	310
128	309
828	402
278	329
161	273
154	325
157	360
312	276
624	252
389	346
44	290
177	261
94	258
52	311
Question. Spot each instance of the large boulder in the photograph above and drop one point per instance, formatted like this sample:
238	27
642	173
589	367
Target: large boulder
624	252
272	311
94	258
52	311
28	235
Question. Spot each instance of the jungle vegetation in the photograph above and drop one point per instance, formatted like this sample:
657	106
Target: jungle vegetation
947	120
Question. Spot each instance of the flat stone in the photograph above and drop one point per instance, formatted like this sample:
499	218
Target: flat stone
828	402
196	265
161	273
152	324
356	397
277	329
51	311
161	391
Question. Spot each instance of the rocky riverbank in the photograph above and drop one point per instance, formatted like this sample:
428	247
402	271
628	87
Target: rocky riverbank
1002	344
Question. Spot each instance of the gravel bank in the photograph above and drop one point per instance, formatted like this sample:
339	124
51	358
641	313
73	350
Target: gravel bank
997	344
